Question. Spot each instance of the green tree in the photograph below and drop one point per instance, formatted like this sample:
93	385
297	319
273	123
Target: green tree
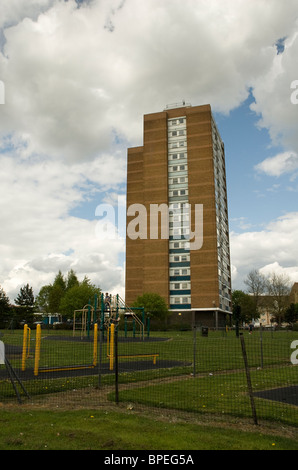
78	296
43	299
291	314
153	304
4	307
25	304
26	297
56	293
247	305
72	280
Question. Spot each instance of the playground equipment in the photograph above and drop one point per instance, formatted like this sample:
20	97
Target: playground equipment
26	346
105	316
109	311
82	319
37	370
111	349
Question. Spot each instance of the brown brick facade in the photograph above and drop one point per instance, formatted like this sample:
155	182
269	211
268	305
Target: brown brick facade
147	261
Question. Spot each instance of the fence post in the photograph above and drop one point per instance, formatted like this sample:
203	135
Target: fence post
95	345
249	386
116	365
194	349
37	349
101	335
261	341
112	345
25	343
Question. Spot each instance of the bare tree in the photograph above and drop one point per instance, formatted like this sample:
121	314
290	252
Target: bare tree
279	288
256	284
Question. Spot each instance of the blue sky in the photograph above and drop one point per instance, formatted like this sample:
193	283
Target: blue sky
78	78
251	196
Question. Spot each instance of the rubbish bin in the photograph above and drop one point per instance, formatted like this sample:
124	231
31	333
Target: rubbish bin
204	330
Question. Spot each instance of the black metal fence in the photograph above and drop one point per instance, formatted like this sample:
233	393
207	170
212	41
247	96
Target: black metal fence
253	375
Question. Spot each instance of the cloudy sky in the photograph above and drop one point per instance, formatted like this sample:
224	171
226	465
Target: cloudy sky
78	76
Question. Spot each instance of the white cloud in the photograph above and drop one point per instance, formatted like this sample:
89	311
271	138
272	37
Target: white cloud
39	236
14	11
273	247
290	272
72	85
77	83
272	92
286	162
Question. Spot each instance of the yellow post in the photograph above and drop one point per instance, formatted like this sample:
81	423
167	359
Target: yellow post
37	349
95	346
25	341
112	346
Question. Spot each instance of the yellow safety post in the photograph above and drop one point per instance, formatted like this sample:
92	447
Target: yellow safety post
112	328
95	345
25	344
37	349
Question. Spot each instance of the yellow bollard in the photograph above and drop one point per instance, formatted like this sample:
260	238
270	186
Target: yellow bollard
95	345
25	342
37	349
112	346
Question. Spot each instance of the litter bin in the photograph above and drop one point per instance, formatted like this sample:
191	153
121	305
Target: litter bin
204	330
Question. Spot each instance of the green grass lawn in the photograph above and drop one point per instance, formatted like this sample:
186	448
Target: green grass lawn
31	429
218	351
219	386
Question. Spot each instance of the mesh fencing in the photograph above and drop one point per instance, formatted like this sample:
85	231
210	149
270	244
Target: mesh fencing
212	372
